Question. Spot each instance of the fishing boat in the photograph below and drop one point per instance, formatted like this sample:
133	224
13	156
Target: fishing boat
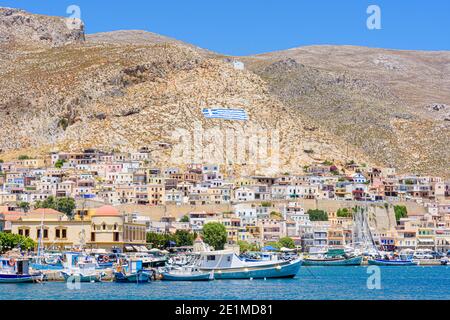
351	261
394	262
49	261
225	264
80	267
334	257
132	272
17	271
187	273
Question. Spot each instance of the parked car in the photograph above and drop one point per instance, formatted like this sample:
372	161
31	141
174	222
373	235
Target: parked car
423	255
437	255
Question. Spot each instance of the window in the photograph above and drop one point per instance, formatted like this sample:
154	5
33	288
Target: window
58	233
92	236
211	258
45	233
64	233
116	237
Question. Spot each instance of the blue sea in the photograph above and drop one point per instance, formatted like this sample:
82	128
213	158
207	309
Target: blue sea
341	283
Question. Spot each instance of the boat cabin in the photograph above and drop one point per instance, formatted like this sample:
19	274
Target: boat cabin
220	259
13	266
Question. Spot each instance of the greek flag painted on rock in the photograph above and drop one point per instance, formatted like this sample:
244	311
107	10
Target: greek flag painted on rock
226	114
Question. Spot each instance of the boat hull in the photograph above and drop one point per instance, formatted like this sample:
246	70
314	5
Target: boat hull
282	270
81	277
139	277
378	262
7	278
355	261
193	277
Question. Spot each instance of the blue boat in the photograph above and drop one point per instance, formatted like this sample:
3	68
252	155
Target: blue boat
385	262
342	261
227	265
17	271
132	273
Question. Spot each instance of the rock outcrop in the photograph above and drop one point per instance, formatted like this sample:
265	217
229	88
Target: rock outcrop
18	26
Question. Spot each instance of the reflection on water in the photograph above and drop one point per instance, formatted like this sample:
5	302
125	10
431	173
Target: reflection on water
311	283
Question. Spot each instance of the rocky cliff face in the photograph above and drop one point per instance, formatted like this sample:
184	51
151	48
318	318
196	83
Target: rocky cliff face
391	104
17	26
125	90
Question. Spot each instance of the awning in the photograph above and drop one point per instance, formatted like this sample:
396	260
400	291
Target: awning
129	248
425	240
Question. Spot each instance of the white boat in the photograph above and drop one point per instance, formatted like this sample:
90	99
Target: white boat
225	264
17	271
187	273
81	267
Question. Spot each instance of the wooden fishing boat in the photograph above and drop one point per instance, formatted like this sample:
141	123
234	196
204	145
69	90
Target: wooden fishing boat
188	273
132	273
396	262
338	261
334	257
17	271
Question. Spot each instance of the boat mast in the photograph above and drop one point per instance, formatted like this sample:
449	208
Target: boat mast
41	230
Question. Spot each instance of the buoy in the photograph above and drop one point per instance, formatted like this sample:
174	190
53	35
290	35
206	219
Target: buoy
251	279
265	279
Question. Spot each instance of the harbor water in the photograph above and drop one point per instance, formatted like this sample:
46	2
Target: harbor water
342	283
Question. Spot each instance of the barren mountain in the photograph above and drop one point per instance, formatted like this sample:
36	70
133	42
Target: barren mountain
129	89
394	105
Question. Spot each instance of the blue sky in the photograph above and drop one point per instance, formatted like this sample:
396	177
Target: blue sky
241	27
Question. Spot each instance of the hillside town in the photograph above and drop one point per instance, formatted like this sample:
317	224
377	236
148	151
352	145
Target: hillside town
114	200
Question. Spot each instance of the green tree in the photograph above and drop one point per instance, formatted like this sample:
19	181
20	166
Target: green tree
266	204
59	164
344	213
245	246
155	239
287	242
9	241
65	205
317	215
400	212
25	206
24	157
185	218
215	235
184	238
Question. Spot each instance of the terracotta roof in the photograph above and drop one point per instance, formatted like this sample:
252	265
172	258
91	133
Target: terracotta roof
106	211
45	211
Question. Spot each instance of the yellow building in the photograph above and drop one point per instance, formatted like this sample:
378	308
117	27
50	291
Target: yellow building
103	227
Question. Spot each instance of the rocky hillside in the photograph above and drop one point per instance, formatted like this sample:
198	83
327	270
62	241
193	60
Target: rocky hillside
391	104
17	26
125	90
116	95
